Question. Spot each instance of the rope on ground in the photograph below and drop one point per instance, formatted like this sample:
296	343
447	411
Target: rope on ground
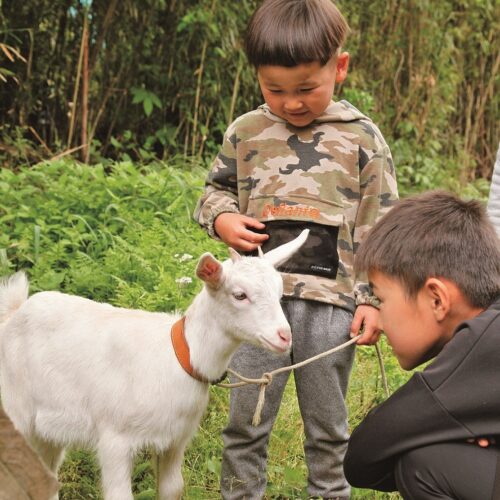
267	377
382	369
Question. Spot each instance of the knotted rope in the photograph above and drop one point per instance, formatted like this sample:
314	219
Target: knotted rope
267	377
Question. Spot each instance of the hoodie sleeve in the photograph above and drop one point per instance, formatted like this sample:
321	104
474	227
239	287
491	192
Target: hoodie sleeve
378	193
221	191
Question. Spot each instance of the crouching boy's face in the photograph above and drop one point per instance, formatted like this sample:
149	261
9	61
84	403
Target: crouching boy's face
433	261
417	327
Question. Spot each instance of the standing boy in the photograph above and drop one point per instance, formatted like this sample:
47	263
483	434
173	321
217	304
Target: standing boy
300	161
434	263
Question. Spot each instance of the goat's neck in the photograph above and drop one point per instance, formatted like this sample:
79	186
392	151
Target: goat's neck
210	345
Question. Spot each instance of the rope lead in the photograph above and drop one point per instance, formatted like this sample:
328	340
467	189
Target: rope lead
262	399
267	378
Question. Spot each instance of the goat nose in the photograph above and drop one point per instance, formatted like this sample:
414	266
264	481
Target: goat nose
285	334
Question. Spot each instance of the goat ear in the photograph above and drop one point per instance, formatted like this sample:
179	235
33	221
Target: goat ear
282	253
260	252
209	269
235	256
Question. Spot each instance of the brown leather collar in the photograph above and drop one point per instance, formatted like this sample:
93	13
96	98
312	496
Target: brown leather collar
181	349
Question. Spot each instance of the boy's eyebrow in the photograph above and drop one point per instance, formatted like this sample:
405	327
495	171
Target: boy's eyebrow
270	83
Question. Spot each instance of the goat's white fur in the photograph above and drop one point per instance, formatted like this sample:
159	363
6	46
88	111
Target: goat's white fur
74	371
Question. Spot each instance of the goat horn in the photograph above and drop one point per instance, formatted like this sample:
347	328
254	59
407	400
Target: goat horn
280	254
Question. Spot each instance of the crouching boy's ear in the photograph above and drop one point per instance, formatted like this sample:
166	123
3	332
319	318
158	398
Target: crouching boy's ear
439	294
210	270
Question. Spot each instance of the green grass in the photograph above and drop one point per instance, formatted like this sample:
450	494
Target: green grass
118	233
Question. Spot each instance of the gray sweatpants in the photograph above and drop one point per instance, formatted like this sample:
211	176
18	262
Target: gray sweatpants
321	388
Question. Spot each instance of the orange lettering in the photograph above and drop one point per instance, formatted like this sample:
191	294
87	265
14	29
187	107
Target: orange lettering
290	211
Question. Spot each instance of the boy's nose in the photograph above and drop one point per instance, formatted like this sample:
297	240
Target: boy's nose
293	104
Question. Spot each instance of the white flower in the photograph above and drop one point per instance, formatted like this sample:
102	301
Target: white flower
185	280
184	257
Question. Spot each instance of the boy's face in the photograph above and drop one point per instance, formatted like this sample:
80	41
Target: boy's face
416	328
301	93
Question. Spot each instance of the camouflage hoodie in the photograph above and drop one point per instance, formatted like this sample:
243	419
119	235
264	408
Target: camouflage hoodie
335	177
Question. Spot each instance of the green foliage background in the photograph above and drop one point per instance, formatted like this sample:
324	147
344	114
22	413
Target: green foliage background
165	77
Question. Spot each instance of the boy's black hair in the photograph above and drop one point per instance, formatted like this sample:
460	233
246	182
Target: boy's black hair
436	234
292	32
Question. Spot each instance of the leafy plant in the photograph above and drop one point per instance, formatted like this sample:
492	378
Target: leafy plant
148	99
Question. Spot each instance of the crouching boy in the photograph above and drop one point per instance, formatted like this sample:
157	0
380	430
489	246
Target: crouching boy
434	263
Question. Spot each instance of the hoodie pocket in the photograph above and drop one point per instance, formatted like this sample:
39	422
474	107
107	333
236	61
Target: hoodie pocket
318	256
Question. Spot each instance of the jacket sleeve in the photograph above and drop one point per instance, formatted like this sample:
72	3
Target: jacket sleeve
378	193
221	190
456	397
412	417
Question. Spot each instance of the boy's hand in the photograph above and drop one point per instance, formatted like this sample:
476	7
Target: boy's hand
366	318
233	230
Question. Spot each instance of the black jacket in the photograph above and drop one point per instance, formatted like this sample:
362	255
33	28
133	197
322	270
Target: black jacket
455	398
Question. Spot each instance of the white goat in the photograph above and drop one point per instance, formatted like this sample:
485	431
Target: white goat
74	371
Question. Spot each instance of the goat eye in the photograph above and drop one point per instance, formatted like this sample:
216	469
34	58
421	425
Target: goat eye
239	295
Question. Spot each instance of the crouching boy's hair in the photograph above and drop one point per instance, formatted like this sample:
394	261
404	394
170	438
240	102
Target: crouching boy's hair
436	234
